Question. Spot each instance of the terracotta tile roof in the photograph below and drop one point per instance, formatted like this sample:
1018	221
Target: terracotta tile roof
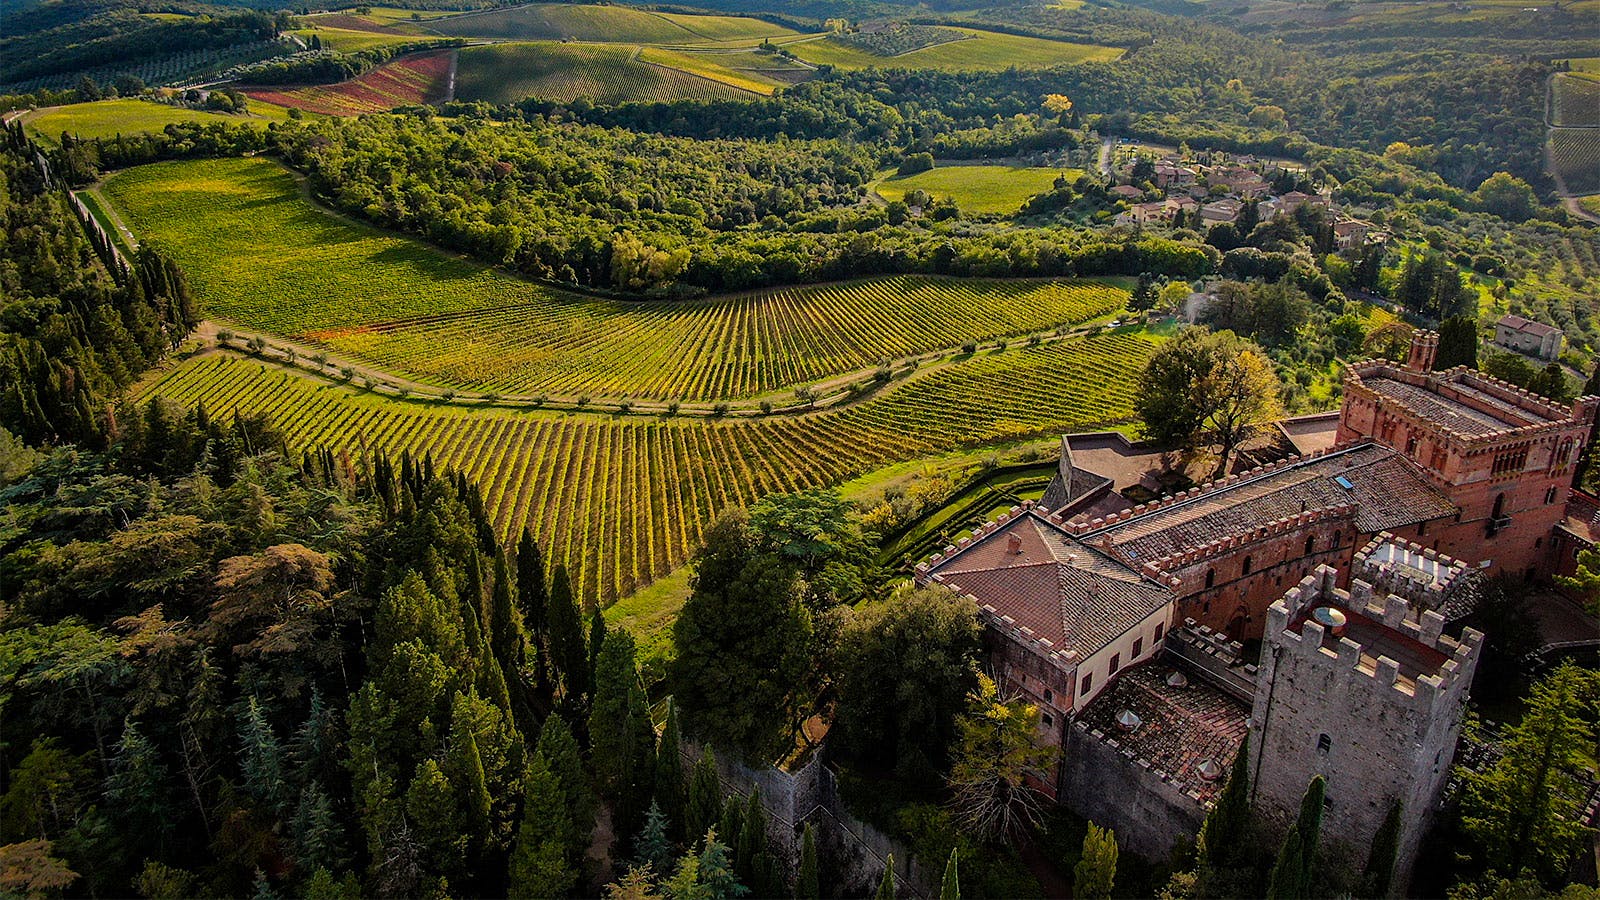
1583	516
1453	414
1528	326
1387	490
1180	727
1062	591
1062	492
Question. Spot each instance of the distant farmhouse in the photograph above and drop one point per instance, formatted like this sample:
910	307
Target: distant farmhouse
1125	623
1536	339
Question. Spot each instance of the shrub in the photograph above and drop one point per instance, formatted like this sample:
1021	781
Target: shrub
969	347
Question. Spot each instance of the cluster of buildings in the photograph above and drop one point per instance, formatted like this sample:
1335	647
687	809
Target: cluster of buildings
1219	192
1128	624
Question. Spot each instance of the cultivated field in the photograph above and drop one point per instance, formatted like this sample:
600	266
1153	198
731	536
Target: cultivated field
109	118
618	24
603	73
984	51
1575	157
978	189
1575	100
742	69
623	500
260	255
415	79
351	40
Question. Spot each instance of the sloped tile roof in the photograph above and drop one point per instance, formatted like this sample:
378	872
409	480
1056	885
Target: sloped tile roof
1061	590
1387	490
1457	416
1180	727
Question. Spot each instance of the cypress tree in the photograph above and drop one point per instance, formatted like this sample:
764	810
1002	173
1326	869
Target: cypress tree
885	889
610	731
950	887
1379	870
464	767
567	648
1309	827
1223	834
560	751
808	886
1288	870
1096	871
705	796
533	600
1458	343
671	793
541	862
597	637
751	843
732	821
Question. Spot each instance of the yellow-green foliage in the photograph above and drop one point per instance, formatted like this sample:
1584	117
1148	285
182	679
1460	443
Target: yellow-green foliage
604	73
614	24
259	254
978	189
109	118
713	65
350	40
622	500
984	51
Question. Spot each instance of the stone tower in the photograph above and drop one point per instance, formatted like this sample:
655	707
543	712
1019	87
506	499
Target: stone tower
1424	350
1357	689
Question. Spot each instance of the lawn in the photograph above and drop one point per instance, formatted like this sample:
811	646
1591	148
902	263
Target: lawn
983	51
257	253
602	73
978	189
109	118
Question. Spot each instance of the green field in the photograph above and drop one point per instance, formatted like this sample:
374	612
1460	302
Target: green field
109	118
978	189
258	254
614	24
735	69
1575	157
1575	100
603	73
351	40
623	500
984	51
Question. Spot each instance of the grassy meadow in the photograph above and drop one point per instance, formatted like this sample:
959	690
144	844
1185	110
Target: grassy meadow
977	189
109	118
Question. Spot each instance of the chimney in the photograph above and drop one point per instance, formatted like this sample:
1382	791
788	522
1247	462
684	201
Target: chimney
1014	543
1424	349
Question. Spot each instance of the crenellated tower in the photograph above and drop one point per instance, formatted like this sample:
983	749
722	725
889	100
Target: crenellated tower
1358	688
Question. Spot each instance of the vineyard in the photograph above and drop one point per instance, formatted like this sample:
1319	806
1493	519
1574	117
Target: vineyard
1575	100
412	80
411	309
623	500
177	68
901	37
109	118
1575	158
611	24
603	73
983	51
733	68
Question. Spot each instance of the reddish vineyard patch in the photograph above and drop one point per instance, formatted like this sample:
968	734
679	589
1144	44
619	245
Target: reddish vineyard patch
414	79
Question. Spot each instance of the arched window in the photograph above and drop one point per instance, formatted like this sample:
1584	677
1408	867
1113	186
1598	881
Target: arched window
1211	578
1337	537
1247	565
1311	544
1497	517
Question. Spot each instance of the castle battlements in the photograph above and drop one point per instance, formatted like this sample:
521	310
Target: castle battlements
1373	636
1420	574
1463	405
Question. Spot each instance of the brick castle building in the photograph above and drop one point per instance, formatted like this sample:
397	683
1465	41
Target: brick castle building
1126	623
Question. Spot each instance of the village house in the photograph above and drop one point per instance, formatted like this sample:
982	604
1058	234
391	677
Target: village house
1522	335
1219	211
1125	626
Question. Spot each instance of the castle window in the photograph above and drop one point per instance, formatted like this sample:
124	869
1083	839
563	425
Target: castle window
1247	565
1138	647
1116	663
1324	744
1422	528
1211	578
1337	537
1088	682
1049	697
1497	518
1550	496
1411	446
1048	720
1160	627
1311	544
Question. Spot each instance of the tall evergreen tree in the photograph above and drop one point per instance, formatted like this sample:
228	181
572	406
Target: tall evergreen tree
260	757
533	599
950	887
1458	343
885	889
1379	870
716	874
508	640
653	847
705	795
1286	879
560	751
808	885
540	864
1309	827
621	738
567	649
1222	836
464	767
597	636
1096	871
671	790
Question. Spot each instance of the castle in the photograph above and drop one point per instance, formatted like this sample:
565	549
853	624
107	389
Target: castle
1126	623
